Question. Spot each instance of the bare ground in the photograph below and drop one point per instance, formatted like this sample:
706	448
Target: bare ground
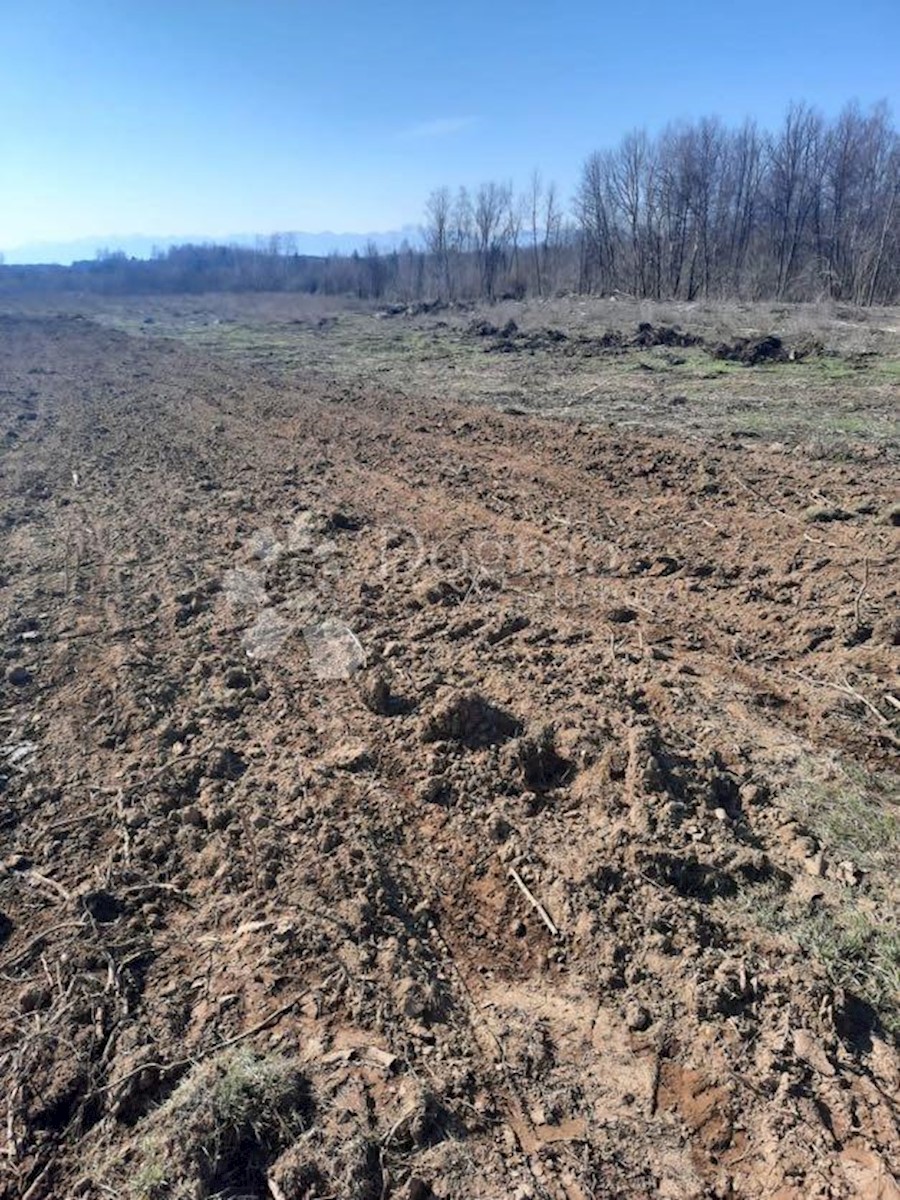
583	885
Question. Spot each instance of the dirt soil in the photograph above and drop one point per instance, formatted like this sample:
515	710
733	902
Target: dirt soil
445	753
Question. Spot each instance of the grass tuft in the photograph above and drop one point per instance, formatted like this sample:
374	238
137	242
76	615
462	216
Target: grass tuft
219	1128
852	930
853	816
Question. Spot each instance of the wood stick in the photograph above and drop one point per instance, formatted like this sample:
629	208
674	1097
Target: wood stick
533	901
177	1064
862	591
44	882
846	690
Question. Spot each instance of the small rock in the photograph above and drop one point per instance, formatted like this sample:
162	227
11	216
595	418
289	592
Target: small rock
349	755
848	872
329	840
412	998
637	1018
815	865
375	690
720	814
434	791
499	828
225	763
237	677
751	793
18	676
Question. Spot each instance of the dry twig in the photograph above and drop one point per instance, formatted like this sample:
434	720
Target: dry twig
533	901
862	591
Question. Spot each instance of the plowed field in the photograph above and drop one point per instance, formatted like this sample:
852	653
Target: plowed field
404	798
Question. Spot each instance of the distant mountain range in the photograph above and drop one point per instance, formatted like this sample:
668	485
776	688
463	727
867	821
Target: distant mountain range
138	245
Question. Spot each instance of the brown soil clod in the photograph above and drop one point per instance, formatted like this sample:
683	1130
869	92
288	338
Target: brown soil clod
469	719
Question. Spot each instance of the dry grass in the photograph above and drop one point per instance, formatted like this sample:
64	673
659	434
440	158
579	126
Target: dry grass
220	1127
844	394
859	948
854	816
852	929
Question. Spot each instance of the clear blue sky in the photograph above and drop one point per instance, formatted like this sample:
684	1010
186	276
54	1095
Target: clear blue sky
224	116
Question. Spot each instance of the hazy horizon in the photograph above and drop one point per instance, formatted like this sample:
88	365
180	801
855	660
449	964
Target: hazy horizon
64	252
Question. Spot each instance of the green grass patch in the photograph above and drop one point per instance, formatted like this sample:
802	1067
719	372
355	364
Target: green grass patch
853	929
858	947
855	817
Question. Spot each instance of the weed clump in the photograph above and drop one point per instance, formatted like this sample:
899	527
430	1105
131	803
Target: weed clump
228	1119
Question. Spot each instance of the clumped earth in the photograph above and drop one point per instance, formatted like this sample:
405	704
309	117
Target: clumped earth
405	800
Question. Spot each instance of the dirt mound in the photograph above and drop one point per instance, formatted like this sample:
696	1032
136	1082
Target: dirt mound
663	335
578	883
482	328
748	351
805	347
469	719
752	351
510	339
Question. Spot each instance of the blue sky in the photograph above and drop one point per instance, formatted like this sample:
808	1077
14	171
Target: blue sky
223	116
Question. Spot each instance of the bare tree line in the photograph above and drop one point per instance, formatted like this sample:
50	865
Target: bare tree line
808	211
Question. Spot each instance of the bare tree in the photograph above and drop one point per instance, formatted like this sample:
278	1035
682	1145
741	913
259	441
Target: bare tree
792	188
534	201
462	236
515	216
553	236
594	209
492	202
437	237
